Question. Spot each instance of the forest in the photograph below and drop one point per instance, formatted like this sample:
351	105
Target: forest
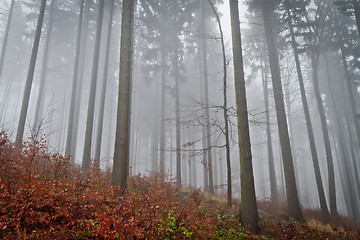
180	119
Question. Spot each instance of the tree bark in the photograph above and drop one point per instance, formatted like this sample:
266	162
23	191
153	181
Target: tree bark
6	36
290	182
92	94
122	140
248	209
319	184
103	90
30	77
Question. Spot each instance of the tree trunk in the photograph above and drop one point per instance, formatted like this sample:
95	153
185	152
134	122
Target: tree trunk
177	116
70	127
79	85
291	189
122	140
6	36
30	77
206	98
248	209
319	184
103	90
162	114
203	129
331	174
345	158
40	100
92	94
272	175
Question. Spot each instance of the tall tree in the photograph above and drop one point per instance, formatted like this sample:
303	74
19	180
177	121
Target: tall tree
293	10
91	106
177	110
208	166
30	77
255	56
314	43
290	182
81	70
248	209
103	90
6	36
70	127
122	140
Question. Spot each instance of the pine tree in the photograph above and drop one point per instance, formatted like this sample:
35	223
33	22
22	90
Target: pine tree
248	209
122	140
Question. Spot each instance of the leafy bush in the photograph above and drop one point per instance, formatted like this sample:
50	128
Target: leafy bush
42	196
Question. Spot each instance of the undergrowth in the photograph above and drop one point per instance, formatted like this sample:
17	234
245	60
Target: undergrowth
43	196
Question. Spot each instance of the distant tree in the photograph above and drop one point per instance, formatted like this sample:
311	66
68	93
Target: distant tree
248	209
294	11
267	7
314	42
91	106
30	77
167	25
122	139
82	59
203	45
103	89
70	127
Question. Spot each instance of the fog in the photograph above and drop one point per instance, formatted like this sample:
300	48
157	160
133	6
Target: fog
177	97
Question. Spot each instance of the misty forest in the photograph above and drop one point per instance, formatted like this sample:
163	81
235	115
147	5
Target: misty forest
180	119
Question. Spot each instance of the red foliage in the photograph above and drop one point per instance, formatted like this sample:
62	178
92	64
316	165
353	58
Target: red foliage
42	196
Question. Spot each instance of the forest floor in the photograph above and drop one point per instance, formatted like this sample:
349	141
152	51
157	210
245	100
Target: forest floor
43	196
